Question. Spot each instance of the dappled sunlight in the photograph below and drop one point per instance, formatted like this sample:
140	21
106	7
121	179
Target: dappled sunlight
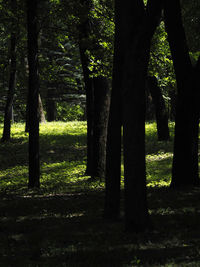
63	128
14	178
62	221
158	169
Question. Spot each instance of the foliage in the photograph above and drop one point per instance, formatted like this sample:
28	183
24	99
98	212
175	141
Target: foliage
191	15
161	65
69	112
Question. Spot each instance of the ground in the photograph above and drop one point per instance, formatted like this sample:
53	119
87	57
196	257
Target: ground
62	224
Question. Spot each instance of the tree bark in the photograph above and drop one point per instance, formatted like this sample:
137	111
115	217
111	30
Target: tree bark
185	160
89	89
139	27
101	109
134	29
113	149
50	106
84	34
97	99
41	110
160	109
133	115
33	95
12	78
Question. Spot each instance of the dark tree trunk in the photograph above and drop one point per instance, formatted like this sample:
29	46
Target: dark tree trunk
33	95
50	106
139	27
11	88
134	29
185	160
51	110
41	114
172	109
113	148
101	109
96	100
89	89
160	109
84	45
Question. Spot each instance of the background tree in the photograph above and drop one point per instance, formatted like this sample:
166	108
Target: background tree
8	116
160	109
95	64
33	94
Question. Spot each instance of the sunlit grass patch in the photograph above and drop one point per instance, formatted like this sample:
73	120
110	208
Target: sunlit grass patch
159	169
13	178
62	176
63	157
63	128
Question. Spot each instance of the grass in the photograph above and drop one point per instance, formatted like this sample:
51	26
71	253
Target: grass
61	224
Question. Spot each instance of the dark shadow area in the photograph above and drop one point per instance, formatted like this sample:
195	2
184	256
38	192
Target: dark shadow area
68	230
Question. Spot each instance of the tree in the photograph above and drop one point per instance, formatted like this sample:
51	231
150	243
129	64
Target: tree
113	149
96	85
185	159
12	75
135	25
160	109
84	36
33	94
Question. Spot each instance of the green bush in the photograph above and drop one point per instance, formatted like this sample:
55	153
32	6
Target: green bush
69	112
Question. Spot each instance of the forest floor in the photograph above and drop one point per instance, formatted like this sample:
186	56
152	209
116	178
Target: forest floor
61	224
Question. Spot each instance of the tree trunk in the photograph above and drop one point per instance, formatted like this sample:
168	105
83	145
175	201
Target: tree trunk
113	149
139	26
41	110
33	95
160	109
185	160
84	45
11	88
50	106
89	89
41	114
101	109
133	32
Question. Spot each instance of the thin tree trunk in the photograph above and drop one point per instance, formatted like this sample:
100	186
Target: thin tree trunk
12	78
33	95
113	149
101	109
50	107
160	109
41	110
89	89
84	45
185	160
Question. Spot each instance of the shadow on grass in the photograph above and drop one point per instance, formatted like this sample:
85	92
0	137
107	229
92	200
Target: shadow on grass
53	148
68	230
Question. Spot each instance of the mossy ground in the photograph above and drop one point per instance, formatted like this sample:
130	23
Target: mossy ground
61	224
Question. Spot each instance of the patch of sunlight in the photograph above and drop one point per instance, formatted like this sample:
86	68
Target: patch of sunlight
63	128
159	156
160	183
13	176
